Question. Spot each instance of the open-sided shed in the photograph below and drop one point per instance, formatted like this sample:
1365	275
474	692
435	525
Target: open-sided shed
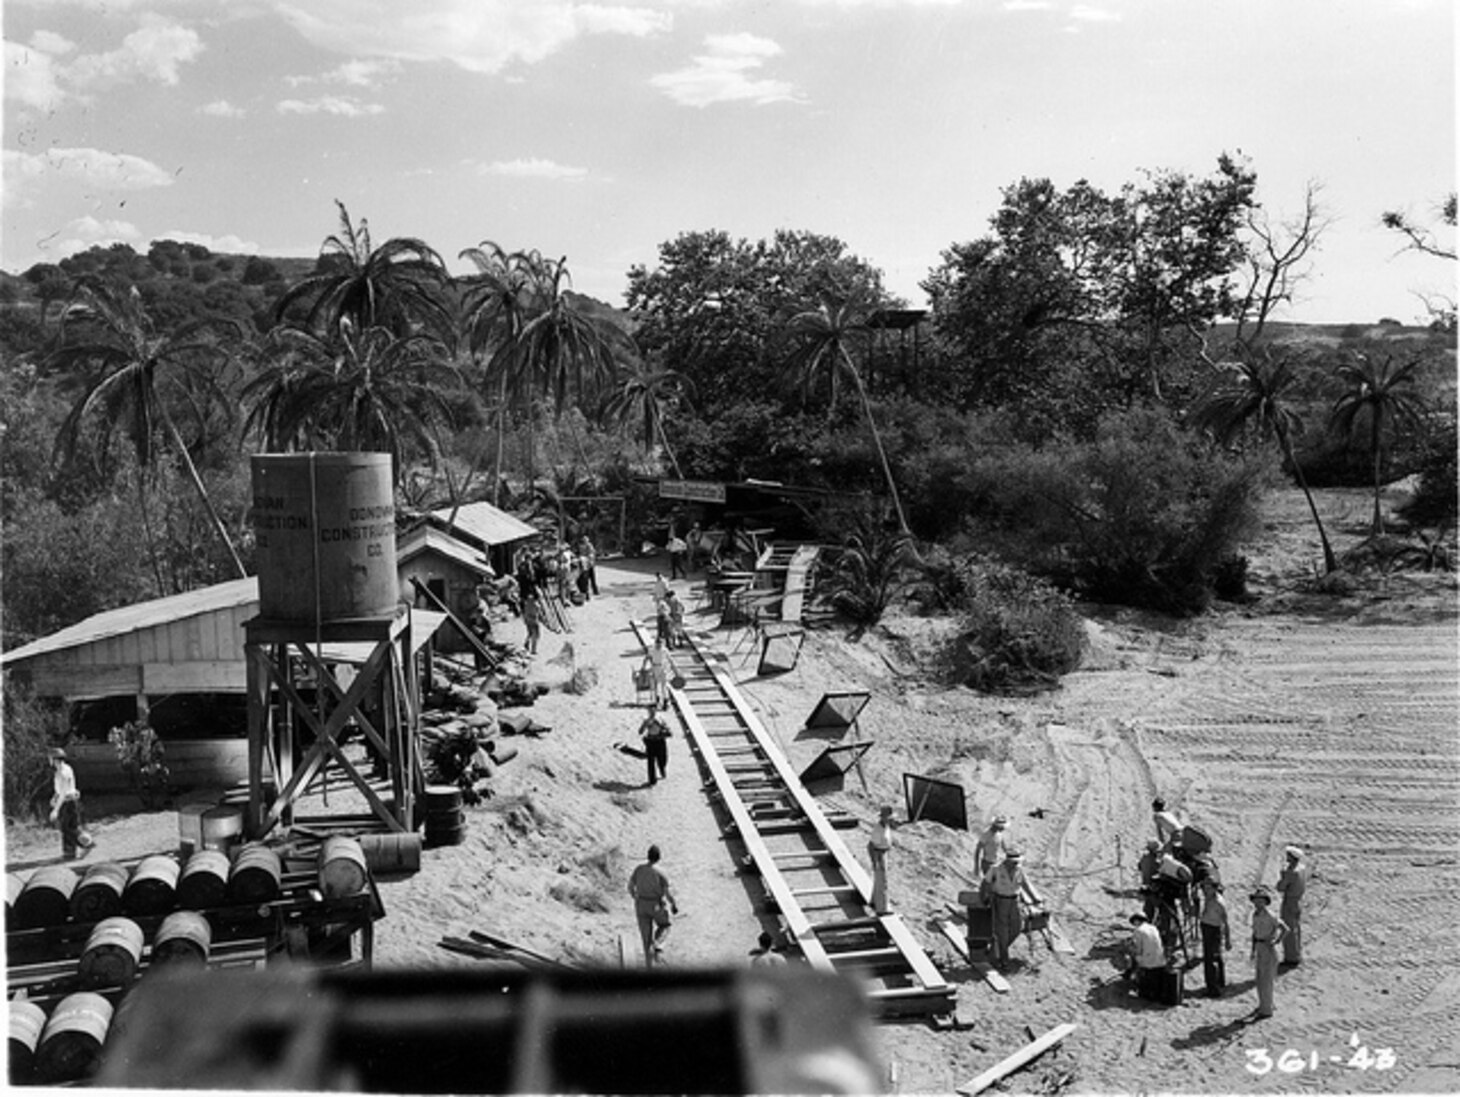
176	661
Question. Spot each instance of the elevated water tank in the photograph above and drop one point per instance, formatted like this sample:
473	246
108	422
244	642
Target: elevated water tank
324	524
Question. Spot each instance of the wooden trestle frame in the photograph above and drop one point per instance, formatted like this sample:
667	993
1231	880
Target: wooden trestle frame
278	652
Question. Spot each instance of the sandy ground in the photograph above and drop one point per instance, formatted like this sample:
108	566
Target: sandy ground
1322	721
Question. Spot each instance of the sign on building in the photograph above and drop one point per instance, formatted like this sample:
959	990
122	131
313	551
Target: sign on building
699	491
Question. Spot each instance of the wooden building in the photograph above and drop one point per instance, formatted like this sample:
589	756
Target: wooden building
494	533
179	663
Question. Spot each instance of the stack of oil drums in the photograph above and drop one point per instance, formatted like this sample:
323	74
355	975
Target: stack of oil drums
445	821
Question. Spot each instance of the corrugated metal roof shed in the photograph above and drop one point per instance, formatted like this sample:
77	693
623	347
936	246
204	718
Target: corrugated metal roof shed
429	538
143	615
484	523
218	643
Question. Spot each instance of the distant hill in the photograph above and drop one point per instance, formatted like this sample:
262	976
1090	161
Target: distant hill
178	281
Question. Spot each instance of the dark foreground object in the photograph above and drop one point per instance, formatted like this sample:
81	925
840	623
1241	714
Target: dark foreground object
779	1030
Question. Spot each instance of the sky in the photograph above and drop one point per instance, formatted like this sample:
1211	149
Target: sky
599	131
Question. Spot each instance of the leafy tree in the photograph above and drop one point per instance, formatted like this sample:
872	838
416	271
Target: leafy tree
51	284
258	271
368	390
1383	394
561	349
130	369
712	305
62	566
1081	301
1253	394
821	342
399	286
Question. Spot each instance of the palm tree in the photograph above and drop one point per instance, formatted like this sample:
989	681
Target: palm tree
821	340
370	390
645	396
1250	392
399	285
560	349
494	312
135	372
1385	395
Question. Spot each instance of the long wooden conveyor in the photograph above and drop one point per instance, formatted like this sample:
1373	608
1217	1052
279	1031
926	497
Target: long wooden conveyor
823	895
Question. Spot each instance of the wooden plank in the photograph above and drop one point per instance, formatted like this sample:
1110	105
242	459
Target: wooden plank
982	969
1020	1058
199	676
51	678
1058	942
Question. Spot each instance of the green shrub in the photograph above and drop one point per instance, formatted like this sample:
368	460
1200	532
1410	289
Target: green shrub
862	578
1143	515
1434	502
31	726
1018	633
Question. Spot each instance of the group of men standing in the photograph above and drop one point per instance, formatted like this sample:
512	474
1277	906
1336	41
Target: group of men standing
1167	873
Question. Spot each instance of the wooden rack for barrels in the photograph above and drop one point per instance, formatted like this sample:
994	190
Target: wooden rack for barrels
47	960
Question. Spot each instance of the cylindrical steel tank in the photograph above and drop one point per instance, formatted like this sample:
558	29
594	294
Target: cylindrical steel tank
324	525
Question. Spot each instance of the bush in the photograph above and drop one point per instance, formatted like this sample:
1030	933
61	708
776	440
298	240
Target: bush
1019	633
861	580
32	725
1142	516
1434	503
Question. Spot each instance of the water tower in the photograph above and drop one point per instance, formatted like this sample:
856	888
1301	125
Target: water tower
324	525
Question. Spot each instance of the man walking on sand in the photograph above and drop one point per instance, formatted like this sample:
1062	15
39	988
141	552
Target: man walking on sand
655	734
66	806
653	904
1293	885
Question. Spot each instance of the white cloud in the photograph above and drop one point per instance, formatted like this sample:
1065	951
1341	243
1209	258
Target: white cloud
1087	14
31	76
50	42
356	74
88	232
228	244
722	74
477	35
532	168
222	108
1027	5
329	104
95	168
151	52
40	75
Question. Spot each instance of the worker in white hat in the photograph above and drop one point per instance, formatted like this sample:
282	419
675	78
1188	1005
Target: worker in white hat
989	850
1267	933
1002	886
1292	885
